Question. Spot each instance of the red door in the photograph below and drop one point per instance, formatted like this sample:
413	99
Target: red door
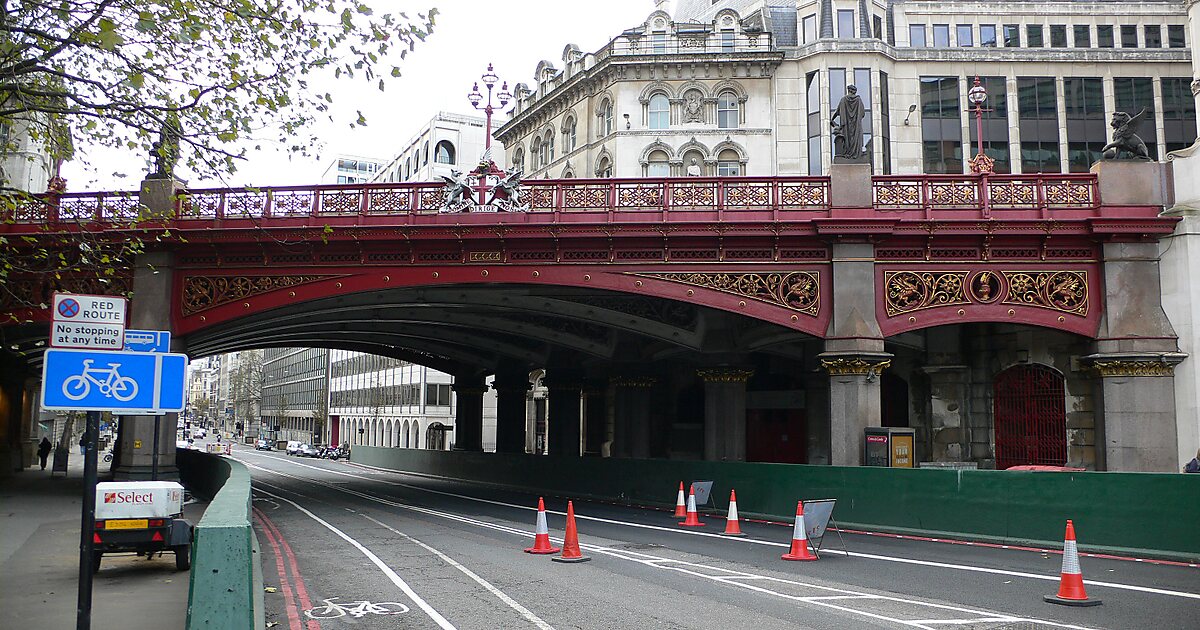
1030	417
335	426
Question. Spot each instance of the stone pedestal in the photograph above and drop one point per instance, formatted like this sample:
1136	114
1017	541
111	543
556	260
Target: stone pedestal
564	393
1139	429
631	406
850	186
468	409
511	385
725	413
150	309
157	197
853	401
1134	183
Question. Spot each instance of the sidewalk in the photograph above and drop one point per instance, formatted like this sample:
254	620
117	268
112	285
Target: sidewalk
39	561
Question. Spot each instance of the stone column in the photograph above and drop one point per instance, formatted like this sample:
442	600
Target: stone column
854	355
468	410
725	413
631	402
150	309
511	385
1136	352
564	391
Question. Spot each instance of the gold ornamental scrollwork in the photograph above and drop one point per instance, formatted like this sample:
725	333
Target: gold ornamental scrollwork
201	293
724	375
1134	368
798	291
841	367
908	291
639	382
1064	291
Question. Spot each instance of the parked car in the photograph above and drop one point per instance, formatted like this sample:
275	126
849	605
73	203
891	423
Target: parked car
307	450
200	433
293	447
263	445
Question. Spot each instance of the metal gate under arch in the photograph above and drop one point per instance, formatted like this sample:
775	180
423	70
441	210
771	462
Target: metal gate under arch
1030	417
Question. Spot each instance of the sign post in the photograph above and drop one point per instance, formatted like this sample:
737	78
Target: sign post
87	527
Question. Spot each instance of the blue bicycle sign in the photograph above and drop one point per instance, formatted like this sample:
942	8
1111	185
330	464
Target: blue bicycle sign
124	382
112	384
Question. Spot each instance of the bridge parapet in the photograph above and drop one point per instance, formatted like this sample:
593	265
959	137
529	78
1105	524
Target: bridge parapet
724	199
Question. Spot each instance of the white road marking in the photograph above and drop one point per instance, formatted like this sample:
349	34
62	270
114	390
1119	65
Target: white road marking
525	612
751	541
396	579
719	574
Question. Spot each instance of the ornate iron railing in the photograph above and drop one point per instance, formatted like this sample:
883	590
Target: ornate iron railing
976	194
677	198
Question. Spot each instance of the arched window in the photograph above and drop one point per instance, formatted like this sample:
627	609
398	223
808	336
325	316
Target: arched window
569	136
548	147
606	118
444	153
405	436
519	159
416	435
727	110
658	165
660	112
728	164
426	153
604	168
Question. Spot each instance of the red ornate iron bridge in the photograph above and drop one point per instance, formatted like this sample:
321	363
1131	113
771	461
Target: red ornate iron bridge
948	248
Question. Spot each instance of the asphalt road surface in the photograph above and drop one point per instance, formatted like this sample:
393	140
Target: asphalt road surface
350	546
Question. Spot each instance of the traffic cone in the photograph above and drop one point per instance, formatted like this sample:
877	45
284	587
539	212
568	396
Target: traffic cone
680	508
800	550
570	548
1070	586
541	535
732	527
693	519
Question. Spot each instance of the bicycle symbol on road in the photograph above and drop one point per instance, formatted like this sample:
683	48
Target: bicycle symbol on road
333	610
108	380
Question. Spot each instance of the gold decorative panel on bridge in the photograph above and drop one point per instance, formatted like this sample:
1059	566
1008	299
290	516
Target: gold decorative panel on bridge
201	293
794	290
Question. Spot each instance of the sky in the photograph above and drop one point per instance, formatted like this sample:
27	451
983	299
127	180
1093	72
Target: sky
436	76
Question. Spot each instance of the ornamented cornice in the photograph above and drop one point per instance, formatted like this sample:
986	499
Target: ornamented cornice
201	293
798	291
641	382
724	375
1134	368
857	365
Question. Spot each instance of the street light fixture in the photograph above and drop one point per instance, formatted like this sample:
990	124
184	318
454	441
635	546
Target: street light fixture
489	79
981	163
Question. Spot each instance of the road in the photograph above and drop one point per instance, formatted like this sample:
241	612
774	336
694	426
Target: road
430	553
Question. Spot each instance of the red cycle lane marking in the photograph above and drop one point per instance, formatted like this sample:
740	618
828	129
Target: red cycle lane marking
301	590
292	614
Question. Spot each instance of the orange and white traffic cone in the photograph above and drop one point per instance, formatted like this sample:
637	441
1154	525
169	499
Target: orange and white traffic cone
732	527
1070	586
800	550
680	507
570	548
541	535
693	519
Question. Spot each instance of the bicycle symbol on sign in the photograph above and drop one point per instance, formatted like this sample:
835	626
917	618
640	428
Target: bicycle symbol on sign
333	610
108	380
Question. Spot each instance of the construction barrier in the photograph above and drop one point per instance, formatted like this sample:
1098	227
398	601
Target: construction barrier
225	588
1008	507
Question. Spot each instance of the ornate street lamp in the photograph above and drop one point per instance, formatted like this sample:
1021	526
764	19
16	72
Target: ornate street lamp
981	163
489	79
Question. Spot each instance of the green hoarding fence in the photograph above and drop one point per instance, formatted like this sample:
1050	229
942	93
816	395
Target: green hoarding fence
1152	514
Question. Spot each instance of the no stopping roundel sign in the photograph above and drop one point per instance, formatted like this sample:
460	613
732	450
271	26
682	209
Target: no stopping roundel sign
89	309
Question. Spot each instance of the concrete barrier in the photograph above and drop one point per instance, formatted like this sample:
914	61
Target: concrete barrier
1148	514
226	588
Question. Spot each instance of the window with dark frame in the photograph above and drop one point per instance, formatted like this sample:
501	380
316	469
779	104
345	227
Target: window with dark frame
809	24
1058	35
1033	36
877	26
1104	36
1179	114
941	35
885	124
1037	115
1012	36
1132	94
965	35
812	87
1153	35
916	35
1129	36
987	35
837	89
845	22
862	81
1086	126
941	125
1083	36
1175	36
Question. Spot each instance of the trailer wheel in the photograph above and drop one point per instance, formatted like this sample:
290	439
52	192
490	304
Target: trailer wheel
96	555
183	557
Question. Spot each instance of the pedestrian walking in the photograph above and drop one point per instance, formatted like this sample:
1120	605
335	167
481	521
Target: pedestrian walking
44	449
83	444
1191	467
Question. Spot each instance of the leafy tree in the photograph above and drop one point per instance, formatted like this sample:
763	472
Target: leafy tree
202	77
